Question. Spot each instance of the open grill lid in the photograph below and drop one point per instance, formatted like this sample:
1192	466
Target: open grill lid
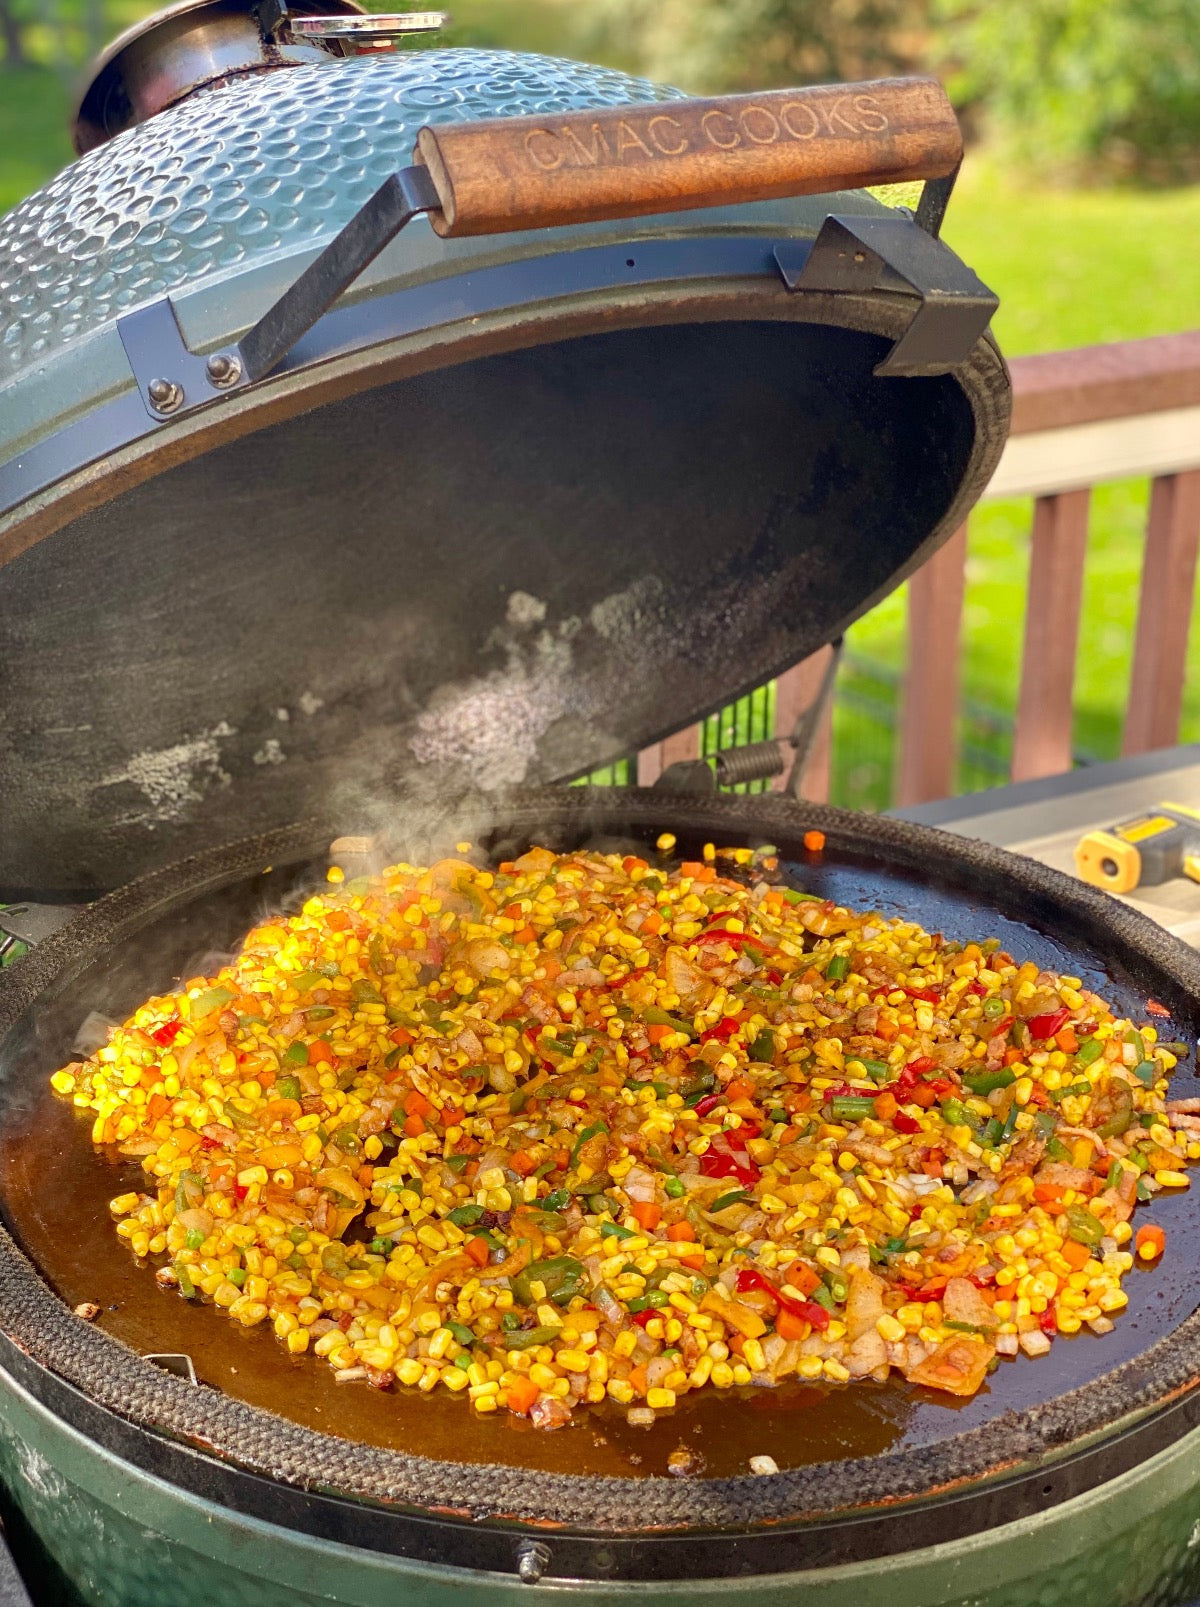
617	428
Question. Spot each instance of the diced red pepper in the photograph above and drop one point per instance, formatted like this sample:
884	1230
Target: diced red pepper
749	1130
932	1291
240	1189
807	1310
643	1317
920	1065
167	1033
1048	1322
905	1124
978	989
1046	1026
630	976
736	939
925	995
722	1031
729	1163
709	1102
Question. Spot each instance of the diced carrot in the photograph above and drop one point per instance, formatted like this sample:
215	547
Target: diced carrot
631	862
337	920
267	1076
452	1116
691	867
562	1158
523	1162
889	1031
522	1393
814	841
506	867
477	1249
525	935
414	1126
658	1032
637	1378
401	1036
415	1104
801	1277
924	1096
365	1176
158	1106
738	1088
932	1164
647	1214
319	1053
1011	1056
514	912
1067	1041
788	1326
1075	1255
694	1260
1151	1241
681	1230
652	923
885	1106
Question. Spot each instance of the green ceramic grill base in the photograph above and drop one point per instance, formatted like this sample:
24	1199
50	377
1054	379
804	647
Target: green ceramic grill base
92	1529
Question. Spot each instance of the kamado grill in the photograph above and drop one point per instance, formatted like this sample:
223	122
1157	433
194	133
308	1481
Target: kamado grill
305	518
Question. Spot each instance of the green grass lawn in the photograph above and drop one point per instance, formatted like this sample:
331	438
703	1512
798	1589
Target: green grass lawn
1071	268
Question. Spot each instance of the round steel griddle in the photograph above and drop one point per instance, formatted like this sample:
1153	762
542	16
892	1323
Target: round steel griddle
862	1465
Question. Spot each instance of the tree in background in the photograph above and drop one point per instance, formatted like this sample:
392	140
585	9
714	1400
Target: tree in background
12	25
744	44
1082	89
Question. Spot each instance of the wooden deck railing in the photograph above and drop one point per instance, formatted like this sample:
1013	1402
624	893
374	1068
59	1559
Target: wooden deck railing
1080	418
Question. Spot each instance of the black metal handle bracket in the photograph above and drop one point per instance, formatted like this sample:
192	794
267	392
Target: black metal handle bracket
860	253
172	379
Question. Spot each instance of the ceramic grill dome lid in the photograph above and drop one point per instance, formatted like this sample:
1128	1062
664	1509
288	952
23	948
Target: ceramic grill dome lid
647	401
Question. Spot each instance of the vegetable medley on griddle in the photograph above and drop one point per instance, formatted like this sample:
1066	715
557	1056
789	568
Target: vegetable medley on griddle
585	1127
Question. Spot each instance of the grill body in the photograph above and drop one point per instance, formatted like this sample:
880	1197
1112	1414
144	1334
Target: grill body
1072	1480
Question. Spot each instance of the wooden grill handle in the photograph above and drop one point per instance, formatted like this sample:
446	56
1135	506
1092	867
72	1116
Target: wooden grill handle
511	173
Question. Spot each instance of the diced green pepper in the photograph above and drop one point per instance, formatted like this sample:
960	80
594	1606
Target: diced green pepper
1122	1112
589	1132
289	1087
456	1163
988	1081
655	1017
1057	1150
465	1216
461	1332
763	1047
562	1276
556	1200
1146	1071
614	1230
529	1338
211	999
296	1054
1089	1049
852	1107
1083	1227
877	1070
838	968
734	1197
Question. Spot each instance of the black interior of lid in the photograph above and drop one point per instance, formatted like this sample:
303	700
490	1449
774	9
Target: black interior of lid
508	571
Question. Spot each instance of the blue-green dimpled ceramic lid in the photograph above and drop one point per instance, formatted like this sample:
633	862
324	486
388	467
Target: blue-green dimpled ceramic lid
553	495
246	173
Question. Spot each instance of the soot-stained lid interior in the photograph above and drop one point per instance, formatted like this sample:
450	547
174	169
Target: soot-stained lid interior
507	570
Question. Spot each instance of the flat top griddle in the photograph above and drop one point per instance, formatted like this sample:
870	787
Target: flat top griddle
56	1190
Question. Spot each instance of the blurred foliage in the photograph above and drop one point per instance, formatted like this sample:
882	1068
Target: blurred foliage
1087	89
742	44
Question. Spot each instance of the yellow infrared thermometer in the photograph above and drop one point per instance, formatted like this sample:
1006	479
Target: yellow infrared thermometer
1143	852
